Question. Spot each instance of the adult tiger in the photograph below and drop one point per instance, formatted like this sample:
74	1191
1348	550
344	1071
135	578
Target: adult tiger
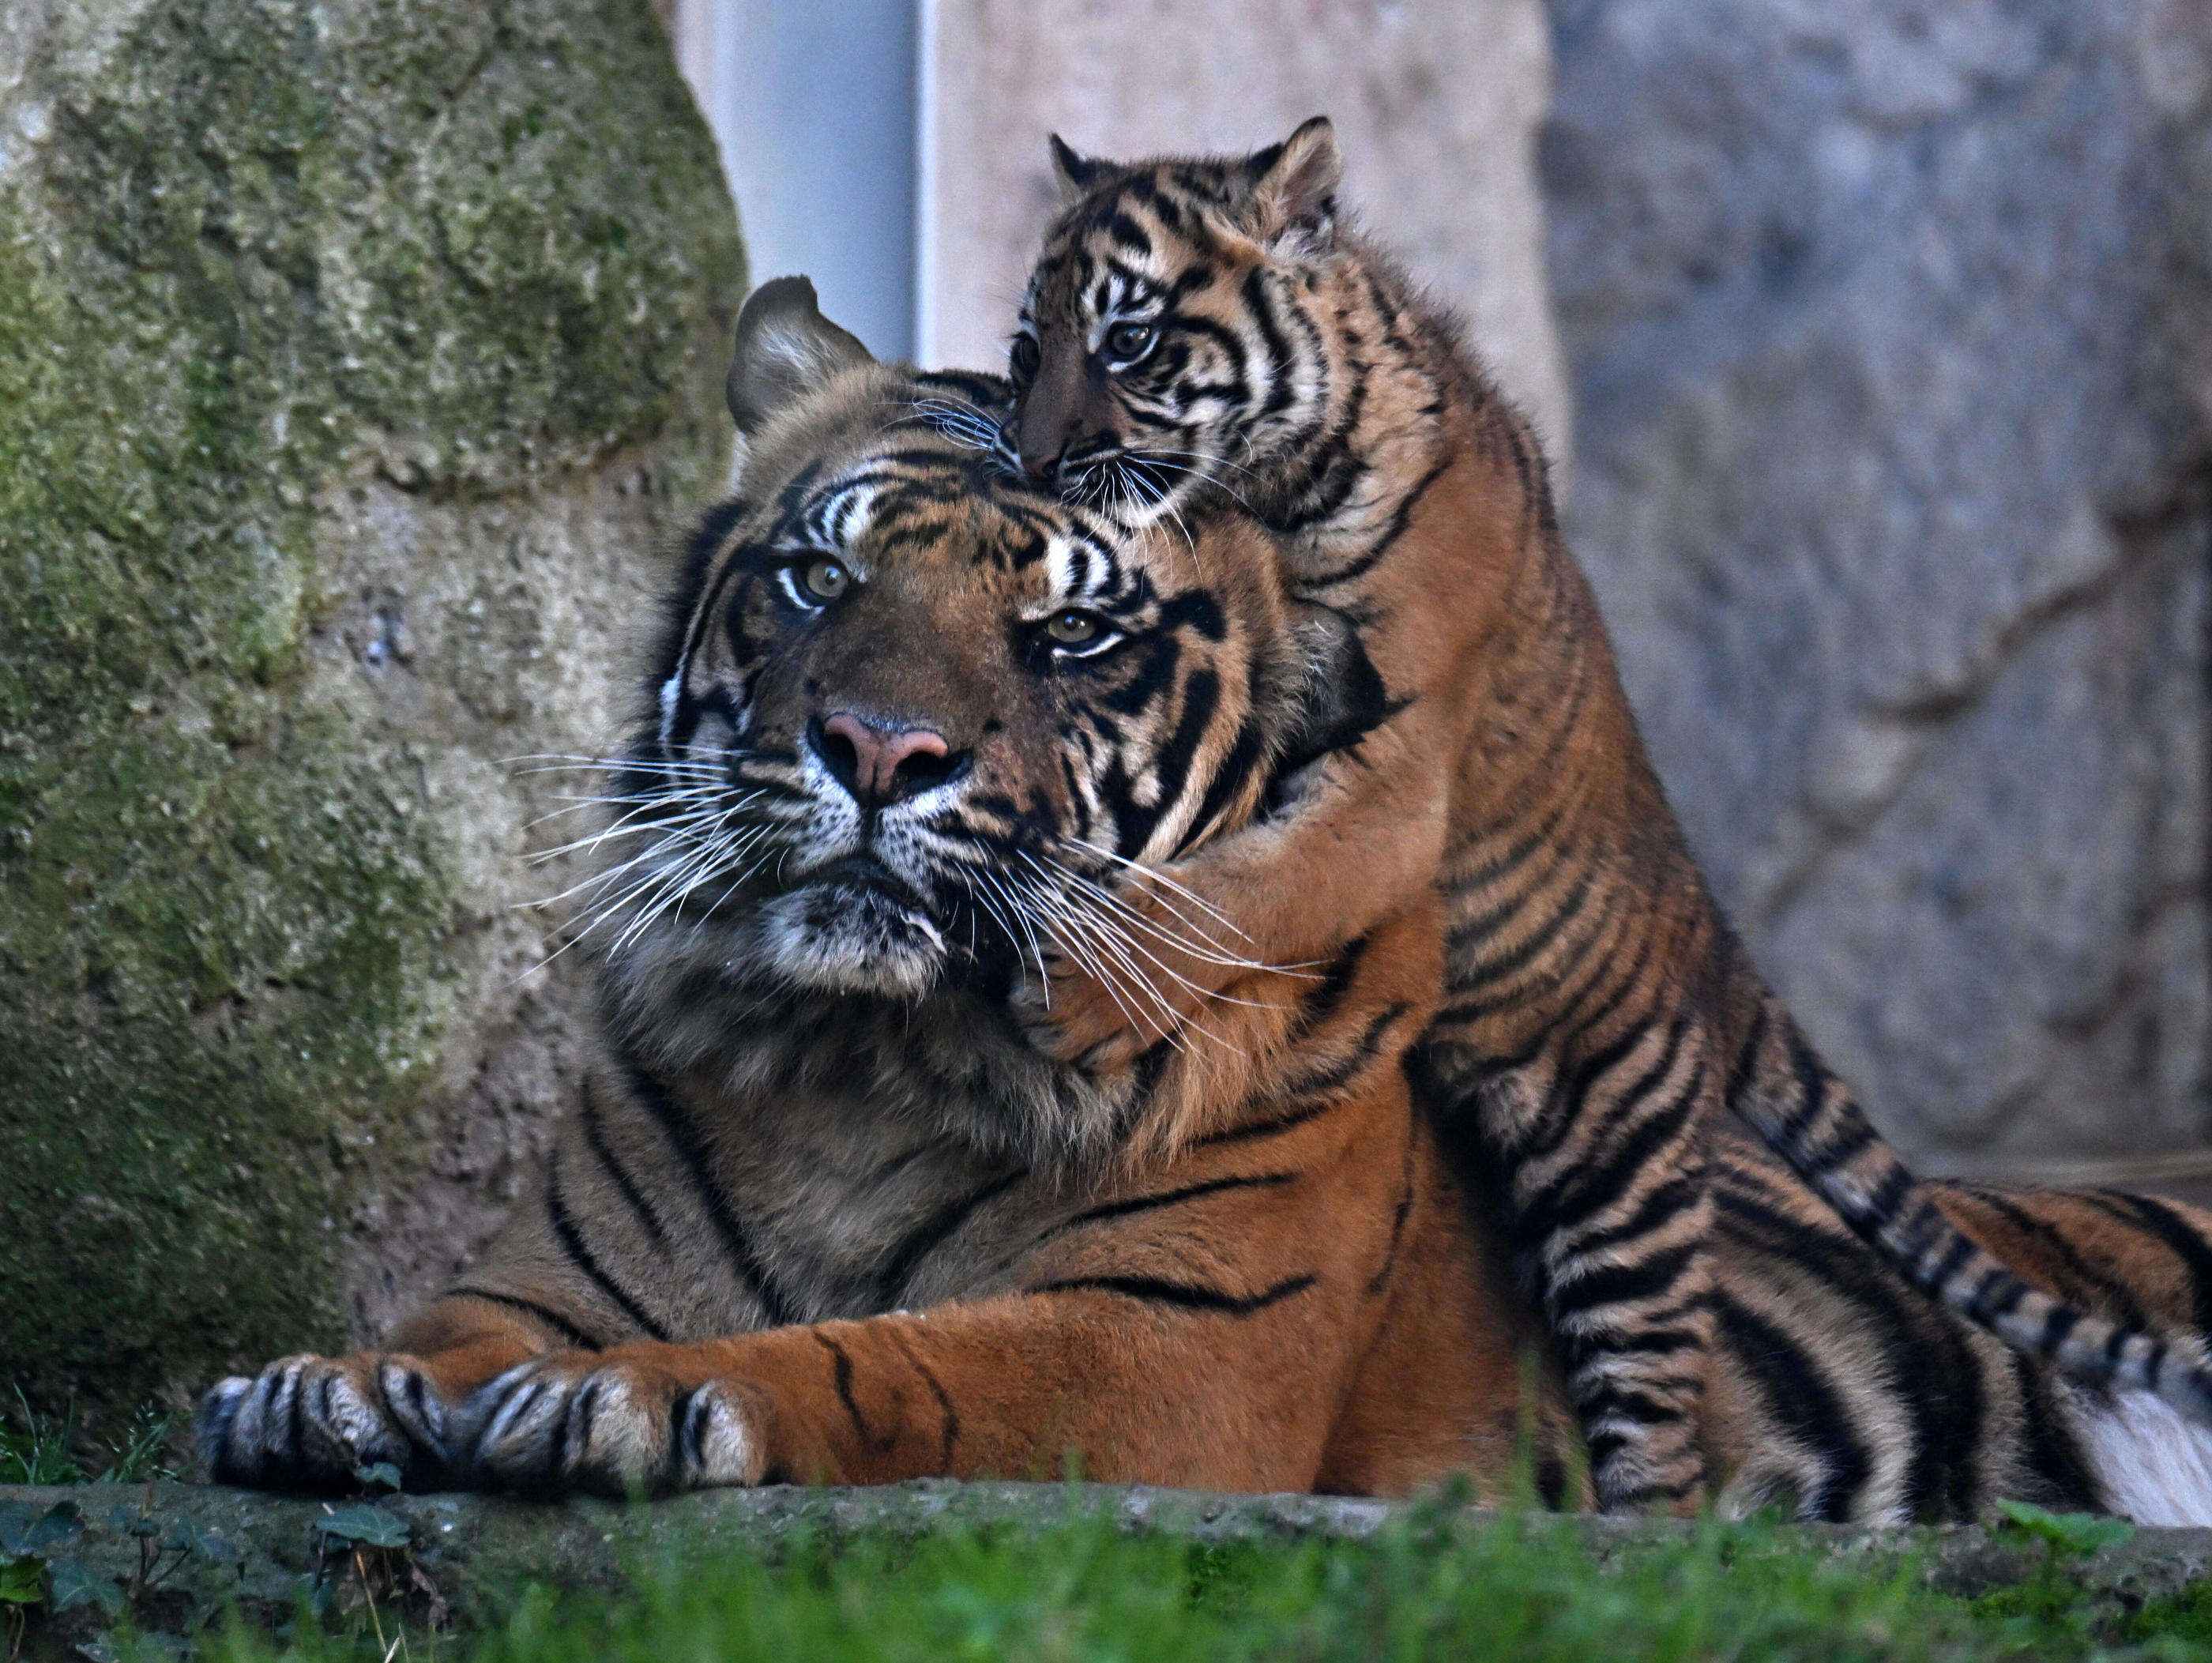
824	1212
1206	329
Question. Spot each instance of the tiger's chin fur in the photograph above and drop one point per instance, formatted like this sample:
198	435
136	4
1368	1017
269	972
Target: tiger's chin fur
824	1214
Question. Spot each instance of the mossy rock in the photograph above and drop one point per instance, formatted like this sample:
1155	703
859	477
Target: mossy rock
358	362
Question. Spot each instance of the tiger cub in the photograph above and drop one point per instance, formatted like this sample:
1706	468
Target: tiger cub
1203	332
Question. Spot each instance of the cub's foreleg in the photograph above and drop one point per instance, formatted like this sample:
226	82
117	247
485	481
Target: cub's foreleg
1217	943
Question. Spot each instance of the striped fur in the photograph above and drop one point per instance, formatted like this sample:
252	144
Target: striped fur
810	1224
824	1212
1208	335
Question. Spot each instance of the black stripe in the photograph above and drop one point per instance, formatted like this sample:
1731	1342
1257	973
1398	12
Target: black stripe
950	1434
576	1337
1584	1194
2053	1453
1380	1280
2108	1291
1568	1118
595	1139
1639	1407
1320	1002
1234	773
841	1369
1799	1396
1961	1249
1327	1079
1507	862
1251	1130
1622	1284
1485	972
1175	1197
931	1232
1935	1378
1366	562
1788	1131
1183	1294
1746	1059
571	1242
685	1141
1134	823
2187	1246
1661	1204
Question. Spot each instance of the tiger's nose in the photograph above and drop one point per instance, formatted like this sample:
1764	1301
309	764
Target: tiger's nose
881	765
1042	452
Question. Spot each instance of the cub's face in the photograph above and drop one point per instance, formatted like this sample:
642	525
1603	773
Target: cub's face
1168	337
912	711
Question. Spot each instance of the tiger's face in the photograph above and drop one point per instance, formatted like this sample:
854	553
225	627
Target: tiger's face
1162	343
912	711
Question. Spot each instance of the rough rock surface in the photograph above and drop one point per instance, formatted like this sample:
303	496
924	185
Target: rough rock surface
356	359
1888	328
1437	105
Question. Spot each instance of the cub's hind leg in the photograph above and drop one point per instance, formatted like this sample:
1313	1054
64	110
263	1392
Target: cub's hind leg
1597	1159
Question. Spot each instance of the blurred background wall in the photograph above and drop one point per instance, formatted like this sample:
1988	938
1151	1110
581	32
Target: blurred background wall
1888	323
1877	330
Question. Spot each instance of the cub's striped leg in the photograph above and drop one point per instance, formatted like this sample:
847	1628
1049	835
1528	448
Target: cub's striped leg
1601	1158
1178	954
308	1423
1784	1092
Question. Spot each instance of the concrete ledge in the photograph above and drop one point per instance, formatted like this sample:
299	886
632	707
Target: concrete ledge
174	1553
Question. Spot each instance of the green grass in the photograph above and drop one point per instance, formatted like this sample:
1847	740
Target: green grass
37	1449
1519	1591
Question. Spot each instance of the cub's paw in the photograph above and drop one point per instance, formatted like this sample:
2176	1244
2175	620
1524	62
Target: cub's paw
308	1423
612	1425
1100	1028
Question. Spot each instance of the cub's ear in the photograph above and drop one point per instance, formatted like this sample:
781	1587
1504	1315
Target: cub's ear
786	349
1077	172
1294	183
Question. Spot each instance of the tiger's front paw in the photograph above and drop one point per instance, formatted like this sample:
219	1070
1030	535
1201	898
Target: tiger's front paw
310	1423
617	1423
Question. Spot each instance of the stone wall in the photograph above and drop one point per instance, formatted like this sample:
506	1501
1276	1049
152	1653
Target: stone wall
1437	105
1890	325
355	359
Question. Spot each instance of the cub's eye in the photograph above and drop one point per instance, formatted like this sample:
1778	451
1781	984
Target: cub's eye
825	578
1126	343
1073	628
1025	355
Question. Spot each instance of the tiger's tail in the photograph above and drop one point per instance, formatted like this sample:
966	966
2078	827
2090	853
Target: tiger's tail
1807	1116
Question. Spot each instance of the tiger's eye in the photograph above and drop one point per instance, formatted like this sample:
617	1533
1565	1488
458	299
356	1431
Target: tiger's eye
825	580
1128	341
1072	628
1025	355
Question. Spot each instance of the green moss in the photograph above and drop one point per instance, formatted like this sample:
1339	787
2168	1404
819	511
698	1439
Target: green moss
265	248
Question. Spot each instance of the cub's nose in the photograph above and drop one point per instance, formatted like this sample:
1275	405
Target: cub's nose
879	764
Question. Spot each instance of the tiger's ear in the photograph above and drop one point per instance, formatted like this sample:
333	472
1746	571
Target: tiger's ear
1077	172
786	349
1294	183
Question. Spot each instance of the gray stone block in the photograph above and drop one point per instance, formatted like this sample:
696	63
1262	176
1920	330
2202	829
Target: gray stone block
1888	325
